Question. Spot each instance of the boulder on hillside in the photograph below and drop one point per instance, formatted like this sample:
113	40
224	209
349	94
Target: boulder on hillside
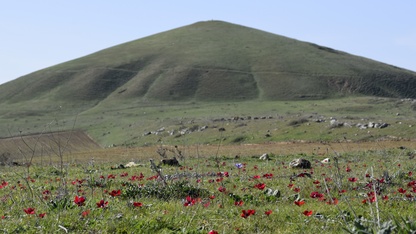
300	163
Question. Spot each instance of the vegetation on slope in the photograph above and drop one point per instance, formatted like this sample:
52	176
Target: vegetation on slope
211	61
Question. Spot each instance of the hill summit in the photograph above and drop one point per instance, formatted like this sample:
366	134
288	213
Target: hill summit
211	61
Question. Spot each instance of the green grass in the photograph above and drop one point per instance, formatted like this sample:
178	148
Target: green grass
42	188
126	123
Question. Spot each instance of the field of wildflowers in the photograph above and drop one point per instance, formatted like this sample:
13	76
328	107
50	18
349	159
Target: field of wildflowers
364	192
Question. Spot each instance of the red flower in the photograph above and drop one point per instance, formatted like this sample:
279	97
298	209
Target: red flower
260	186
333	202
212	232
238	203
3	184
316	195
246	213
299	203
29	210
308	212
137	204
268	212
189	201
401	190
79	200
352	179
348	169
85	213
42	215
316	182
102	204
296	190
221	189
115	193
385	198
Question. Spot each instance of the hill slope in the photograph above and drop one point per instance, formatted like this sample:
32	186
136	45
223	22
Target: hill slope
209	61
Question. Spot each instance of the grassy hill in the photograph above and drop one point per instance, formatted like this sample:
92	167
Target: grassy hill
194	72
211	61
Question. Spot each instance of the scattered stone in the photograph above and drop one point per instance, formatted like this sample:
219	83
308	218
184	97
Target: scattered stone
271	192
325	161
300	163
171	162
264	157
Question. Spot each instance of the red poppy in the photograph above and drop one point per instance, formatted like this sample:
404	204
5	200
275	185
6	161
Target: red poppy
296	190
260	186
385	198
352	179
212	232
29	210
308	212
348	169
333	202
189	201
222	189
256	177
268	212
137	204
115	193
246	213
238	203
85	213
299	203
401	190
316	195
102	204
79	201
42	215
316	182
3	184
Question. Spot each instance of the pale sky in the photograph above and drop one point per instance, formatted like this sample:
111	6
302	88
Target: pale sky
40	34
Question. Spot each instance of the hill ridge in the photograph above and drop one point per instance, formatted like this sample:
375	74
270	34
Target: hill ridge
211	61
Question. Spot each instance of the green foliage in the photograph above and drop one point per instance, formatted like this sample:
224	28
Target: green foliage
173	190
